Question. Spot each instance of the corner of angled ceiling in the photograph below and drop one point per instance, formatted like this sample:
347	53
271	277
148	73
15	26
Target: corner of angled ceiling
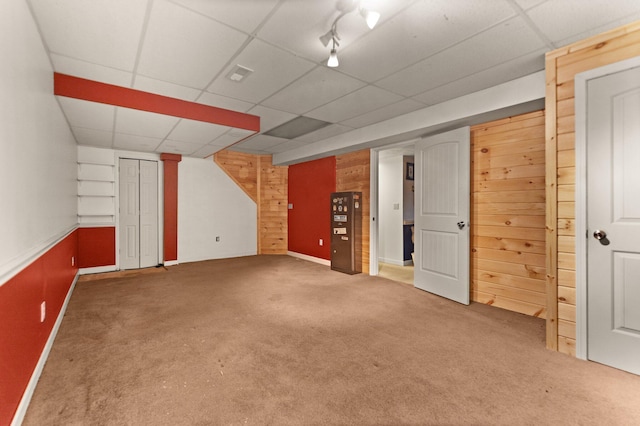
94	91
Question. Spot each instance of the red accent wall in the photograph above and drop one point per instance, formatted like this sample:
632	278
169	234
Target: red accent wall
22	335
96	247
170	205
310	187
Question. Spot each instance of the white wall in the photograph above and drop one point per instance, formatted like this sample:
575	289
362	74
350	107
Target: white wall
210	204
390	188
38	162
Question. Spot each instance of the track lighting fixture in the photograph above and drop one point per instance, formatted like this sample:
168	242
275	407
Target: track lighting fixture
345	7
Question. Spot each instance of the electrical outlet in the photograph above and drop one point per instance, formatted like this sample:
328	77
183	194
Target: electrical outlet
73	261
321	242
43	311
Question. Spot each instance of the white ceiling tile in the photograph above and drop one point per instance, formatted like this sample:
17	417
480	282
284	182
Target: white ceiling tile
502	43
297	25
135	143
206	151
87	114
551	16
178	147
403	107
261	142
244	15
90	71
286	146
89	30
324	133
273	69
511	70
193	131
227	140
143	123
418	32
270	118
163	88
225	102
320	86
91	137
184	47
528	4
361	101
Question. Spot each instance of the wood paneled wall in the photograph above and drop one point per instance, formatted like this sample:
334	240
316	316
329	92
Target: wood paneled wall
265	184
241	168
353	173
507	214
272	207
561	67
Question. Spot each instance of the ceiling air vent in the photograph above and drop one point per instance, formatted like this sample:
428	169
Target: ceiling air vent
238	73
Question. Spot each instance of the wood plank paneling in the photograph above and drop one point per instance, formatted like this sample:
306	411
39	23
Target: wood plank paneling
266	184
507	210
353	171
272	201
241	168
561	67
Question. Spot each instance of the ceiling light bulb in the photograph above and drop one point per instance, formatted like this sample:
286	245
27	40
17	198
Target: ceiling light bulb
333	59
370	16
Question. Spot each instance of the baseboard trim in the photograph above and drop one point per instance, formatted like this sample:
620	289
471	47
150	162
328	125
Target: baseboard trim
97	269
324	262
172	262
31	387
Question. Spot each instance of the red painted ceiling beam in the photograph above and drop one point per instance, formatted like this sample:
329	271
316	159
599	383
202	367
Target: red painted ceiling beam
89	90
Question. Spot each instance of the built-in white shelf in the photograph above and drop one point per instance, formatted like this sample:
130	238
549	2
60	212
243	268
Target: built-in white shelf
96	186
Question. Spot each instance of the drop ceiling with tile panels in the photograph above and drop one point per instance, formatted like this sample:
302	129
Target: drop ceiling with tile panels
421	53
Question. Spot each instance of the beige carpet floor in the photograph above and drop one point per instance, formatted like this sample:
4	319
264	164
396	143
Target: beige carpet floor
274	340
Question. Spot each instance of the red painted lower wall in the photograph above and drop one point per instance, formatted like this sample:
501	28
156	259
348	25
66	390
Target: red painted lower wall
22	335
310	187
96	247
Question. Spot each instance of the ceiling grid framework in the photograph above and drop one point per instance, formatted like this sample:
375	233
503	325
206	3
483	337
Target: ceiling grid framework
421	53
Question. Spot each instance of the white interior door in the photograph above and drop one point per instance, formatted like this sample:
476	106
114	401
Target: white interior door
148	213
613	219
138	214
442	198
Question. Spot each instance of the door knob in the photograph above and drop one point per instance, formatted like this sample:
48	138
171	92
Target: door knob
599	234
461	224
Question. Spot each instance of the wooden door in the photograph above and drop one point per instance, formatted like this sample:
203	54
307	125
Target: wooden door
442	198
613	219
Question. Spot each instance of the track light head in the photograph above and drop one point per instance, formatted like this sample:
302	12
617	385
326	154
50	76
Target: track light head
326	38
370	16
333	59
345	7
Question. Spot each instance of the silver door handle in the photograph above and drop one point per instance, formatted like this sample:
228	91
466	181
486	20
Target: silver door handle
599	234
461	224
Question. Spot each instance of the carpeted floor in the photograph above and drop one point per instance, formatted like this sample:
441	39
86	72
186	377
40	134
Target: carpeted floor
278	340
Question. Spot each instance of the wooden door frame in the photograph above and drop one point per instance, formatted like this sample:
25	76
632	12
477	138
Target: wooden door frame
581	81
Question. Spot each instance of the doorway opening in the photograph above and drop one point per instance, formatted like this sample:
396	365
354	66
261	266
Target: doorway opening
395	209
